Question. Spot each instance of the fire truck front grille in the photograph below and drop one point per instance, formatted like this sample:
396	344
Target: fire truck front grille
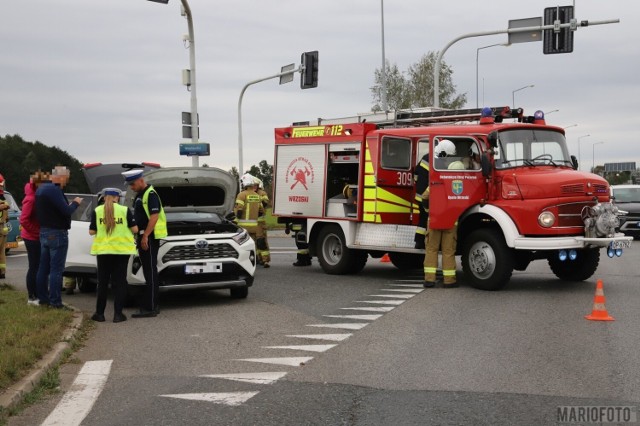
213	251
601	189
570	214
576	188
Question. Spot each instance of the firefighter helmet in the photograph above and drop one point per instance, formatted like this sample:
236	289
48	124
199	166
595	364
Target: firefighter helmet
258	182
247	180
445	148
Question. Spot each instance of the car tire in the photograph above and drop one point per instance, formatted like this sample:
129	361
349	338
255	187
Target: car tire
86	284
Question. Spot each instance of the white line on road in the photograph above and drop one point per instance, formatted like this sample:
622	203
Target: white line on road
404	290
346	326
382	302
77	402
356	317
293	361
332	337
310	348
265	378
393	296
371	308
226	398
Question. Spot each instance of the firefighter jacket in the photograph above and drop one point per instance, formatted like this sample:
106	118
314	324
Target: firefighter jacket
422	180
248	209
120	241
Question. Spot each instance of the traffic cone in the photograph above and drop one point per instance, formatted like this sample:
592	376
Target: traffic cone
599	312
385	258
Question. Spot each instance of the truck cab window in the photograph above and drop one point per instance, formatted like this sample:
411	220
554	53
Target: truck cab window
395	153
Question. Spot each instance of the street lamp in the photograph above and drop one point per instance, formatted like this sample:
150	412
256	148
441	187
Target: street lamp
477	55
513	94
579	159
192	75
569	126
384	62
552	111
593	154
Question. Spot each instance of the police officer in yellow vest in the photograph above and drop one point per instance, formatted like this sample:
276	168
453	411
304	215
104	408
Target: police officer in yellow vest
248	209
152	222
444	239
264	255
114	227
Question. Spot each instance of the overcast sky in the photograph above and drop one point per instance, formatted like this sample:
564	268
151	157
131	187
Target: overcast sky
102	79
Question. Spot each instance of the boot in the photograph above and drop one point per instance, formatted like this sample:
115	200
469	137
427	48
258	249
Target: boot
303	260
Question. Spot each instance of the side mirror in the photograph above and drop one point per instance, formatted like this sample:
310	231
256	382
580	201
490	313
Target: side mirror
492	138
574	162
485	162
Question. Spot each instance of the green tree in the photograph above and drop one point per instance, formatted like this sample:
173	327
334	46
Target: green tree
414	89
264	172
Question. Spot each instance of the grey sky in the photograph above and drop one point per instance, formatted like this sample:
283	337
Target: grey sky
102	80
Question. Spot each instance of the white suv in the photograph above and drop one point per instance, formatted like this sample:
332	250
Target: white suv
203	249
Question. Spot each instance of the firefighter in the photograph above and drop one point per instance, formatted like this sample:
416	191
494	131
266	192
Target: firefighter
421	178
264	256
4	229
248	209
442	239
300	237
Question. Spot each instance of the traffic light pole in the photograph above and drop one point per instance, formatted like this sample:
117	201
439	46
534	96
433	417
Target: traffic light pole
244	89
436	68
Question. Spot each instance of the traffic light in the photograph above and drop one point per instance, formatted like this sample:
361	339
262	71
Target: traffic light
309	76
558	40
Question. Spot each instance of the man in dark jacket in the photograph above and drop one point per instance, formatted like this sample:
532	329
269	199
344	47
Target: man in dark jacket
54	214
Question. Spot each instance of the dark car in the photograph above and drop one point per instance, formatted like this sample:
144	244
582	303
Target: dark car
627	198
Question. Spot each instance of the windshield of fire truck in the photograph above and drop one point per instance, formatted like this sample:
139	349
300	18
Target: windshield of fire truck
531	147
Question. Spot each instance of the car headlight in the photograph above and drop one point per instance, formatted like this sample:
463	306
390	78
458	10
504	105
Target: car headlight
241	238
546	219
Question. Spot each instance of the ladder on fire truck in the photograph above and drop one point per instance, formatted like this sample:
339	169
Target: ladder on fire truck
419	117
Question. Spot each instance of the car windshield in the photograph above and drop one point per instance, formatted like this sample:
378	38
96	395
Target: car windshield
193	217
531	147
627	195
13	206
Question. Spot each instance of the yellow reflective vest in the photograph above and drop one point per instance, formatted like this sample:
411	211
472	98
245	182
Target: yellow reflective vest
121	239
160	230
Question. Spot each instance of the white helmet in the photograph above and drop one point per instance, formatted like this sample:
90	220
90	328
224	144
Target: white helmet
258	182
445	148
247	180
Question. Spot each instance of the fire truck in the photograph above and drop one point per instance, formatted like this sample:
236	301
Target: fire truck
522	199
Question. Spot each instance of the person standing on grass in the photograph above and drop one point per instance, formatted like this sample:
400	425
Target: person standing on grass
114	228
30	232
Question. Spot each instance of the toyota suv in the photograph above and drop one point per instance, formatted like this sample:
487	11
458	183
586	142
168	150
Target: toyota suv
627	198
203	250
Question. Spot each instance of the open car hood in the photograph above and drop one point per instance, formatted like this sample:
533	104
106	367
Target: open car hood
100	176
192	188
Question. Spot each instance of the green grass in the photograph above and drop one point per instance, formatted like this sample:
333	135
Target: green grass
272	222
28	332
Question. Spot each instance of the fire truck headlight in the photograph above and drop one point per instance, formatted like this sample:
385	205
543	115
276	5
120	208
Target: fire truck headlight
546	219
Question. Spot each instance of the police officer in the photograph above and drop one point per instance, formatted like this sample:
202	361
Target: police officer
264	255
421	178
442	239
114	228
152	223
248	208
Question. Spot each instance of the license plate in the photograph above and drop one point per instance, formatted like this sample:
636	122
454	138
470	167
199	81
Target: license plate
202	268
620	244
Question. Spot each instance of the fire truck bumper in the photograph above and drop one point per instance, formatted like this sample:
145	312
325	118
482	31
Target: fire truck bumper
558	243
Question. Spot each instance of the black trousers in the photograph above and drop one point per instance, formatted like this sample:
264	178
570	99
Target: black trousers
149	260
33	256
112	268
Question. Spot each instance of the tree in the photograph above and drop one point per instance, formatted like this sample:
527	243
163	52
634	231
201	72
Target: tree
414	89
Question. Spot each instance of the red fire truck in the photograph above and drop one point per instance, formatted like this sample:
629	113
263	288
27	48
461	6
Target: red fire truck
521	199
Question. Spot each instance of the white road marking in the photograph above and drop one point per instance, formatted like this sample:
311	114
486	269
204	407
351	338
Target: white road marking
382	302
226	398
78	401
310	348
266	378
393	296
409	281
347	326
371	308
404	290
332	337
293	361
356	317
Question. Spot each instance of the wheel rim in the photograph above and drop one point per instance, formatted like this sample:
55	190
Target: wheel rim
482	260
332	249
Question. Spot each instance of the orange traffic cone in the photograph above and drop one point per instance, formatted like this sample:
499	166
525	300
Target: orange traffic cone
599	312
385	258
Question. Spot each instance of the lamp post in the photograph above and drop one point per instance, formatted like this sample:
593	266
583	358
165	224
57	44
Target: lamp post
192	78
477	56
513	94
593	154
569	126
384	64
552	111
579	159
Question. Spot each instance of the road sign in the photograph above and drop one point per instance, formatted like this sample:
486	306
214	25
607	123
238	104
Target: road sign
191	149
287	78
525	37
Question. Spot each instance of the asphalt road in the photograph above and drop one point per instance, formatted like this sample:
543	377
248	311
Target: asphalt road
455	356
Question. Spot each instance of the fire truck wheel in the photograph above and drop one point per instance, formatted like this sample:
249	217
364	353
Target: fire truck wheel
407	261
334	256
487	261
580	269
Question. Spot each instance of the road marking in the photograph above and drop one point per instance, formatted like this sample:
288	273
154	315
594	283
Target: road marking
292	361
404	290
393	296
310	348
409	281
372	308
382	302
266	378
77	402
332	337
347	326
226	398
356	317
